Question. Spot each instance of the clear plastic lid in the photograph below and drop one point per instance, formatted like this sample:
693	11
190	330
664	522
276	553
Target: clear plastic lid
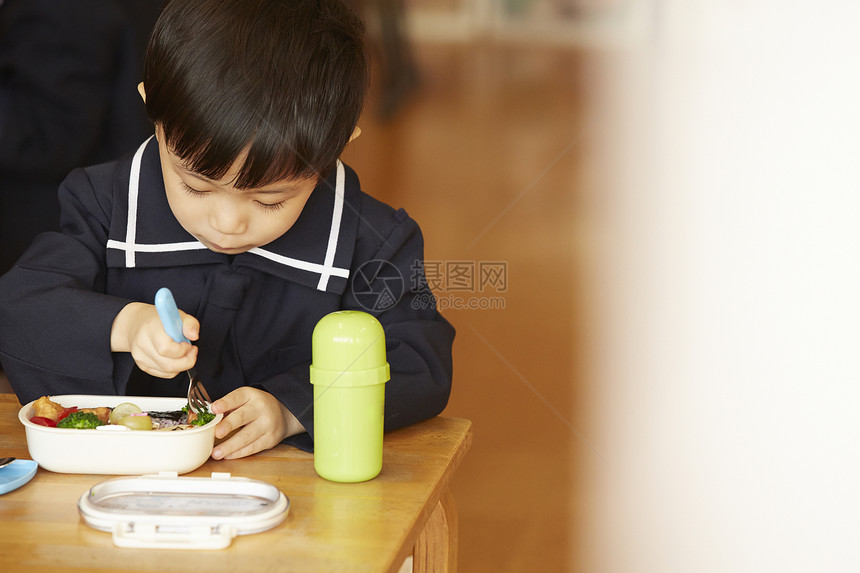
166	511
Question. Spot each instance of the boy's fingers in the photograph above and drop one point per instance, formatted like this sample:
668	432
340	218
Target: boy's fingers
191	357
239	444
165	367
166	347
256	446
224	427
190	327
159	373
234	420
231	402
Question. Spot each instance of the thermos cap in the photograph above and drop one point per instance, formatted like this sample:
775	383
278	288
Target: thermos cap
349	350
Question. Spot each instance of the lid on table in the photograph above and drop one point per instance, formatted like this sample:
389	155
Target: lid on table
166	511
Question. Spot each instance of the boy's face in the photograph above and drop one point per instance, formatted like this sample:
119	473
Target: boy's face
226	219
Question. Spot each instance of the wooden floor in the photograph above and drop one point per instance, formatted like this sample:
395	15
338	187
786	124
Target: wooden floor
492	156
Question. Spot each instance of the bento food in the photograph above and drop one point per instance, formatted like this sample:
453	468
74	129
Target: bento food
115	448
123	416
80	420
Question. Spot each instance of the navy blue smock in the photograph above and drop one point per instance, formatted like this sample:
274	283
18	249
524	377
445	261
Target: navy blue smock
120	243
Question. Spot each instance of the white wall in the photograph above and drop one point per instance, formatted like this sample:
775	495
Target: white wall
730	295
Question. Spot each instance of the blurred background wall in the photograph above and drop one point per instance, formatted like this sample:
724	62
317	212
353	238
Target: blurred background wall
496	150
729	380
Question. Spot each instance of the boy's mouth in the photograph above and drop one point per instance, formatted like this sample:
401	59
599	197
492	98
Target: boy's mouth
226	250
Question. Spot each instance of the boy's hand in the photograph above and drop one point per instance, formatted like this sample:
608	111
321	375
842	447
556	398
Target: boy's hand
138	329
259	420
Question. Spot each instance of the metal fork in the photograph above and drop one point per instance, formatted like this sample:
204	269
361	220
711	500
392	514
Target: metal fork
198	398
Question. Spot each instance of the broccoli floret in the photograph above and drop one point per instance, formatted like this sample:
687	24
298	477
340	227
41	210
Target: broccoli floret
80	421
202	418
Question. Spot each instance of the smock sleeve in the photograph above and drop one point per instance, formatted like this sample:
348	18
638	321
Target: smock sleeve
418	339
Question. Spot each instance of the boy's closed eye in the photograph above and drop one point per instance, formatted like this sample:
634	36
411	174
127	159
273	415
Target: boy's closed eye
263	204
191	190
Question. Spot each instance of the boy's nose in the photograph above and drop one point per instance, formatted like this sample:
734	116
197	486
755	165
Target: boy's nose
228	220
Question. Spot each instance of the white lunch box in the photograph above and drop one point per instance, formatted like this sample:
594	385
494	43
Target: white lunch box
121	453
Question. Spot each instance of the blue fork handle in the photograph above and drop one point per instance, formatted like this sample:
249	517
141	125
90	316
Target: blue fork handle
169	314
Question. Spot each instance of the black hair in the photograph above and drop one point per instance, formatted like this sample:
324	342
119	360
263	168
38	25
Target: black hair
288	77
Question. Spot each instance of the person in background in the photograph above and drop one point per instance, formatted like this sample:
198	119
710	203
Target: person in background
69	71
392	48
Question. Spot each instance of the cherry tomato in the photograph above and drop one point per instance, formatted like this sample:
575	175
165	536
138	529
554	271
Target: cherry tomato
43	421
66	412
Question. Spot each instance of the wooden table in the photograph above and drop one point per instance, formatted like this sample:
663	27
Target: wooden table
371	526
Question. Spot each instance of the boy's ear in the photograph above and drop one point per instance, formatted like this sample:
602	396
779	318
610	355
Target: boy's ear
141	91
355	132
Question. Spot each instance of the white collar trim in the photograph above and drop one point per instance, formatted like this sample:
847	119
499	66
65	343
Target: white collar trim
130	247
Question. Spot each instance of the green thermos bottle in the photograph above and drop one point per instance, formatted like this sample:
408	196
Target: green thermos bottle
349	372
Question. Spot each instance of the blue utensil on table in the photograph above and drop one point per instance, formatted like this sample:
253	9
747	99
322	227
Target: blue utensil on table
198	398
15	474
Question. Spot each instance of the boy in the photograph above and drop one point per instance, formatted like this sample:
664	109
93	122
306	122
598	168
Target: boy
240	206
